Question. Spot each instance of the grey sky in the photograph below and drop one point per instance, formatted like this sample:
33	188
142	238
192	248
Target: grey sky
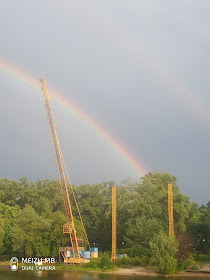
116	61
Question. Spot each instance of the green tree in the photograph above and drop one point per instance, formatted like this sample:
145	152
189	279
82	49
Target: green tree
8	214
95	206
142	212
163	249
29	233
2	233
56	236
148	209
200	228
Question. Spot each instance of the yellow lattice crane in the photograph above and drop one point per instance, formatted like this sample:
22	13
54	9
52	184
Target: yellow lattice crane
170	210
69	227
114	224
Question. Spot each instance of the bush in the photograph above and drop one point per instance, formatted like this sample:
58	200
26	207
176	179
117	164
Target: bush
105	262
136	251
140	261
94	264
195	267
5	257
164	249
187	263
122	262
167	264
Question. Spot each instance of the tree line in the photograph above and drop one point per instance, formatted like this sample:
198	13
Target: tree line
32	217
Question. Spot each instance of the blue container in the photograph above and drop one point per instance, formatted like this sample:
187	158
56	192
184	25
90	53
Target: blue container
86	254
82	253
94	250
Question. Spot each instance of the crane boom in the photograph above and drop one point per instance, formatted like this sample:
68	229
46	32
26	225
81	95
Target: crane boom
58	156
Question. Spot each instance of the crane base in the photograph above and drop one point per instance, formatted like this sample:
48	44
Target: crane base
66	256
75	260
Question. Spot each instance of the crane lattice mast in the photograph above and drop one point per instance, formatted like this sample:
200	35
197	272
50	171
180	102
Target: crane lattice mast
170	210
70	226
114	224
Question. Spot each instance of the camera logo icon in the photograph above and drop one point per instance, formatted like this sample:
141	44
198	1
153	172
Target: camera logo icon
14	264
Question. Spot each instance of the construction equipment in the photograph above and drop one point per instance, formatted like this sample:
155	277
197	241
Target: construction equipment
114	225
170	210
70	254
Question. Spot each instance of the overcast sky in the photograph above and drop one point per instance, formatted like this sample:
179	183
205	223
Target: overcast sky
140	68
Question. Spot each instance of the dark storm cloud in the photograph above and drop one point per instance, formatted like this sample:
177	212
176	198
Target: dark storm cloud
86	49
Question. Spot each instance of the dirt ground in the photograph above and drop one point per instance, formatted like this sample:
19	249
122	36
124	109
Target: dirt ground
134	271
142	271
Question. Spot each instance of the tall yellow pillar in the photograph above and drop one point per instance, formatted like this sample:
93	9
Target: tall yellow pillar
114	225
170	210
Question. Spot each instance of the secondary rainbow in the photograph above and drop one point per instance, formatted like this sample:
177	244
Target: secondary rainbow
136	50
112	141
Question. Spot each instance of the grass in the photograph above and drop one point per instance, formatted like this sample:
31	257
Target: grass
79	268
202	259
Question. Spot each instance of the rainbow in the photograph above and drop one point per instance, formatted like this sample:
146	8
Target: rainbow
65	102
135	49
